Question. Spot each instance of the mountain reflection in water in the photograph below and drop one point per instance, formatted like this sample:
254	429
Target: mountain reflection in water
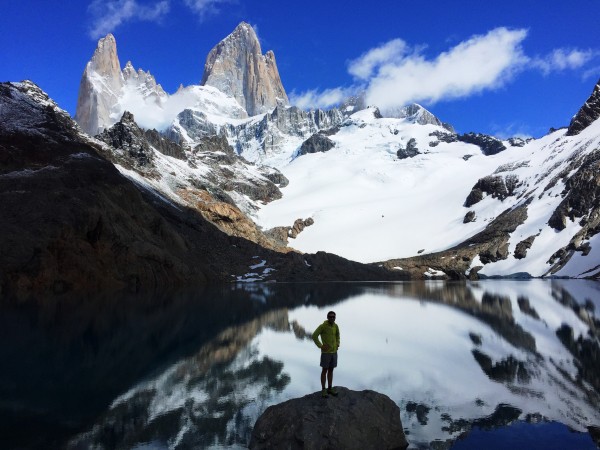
196	369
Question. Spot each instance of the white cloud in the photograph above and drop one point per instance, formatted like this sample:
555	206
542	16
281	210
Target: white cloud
395	74
108	15
562	59
593	72
391	51
477	64
324	99
150	113
204	8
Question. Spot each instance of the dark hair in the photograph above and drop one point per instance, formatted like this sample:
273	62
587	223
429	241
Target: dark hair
331	312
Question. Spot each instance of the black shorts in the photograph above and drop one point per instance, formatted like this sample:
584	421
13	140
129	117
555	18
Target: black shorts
329	360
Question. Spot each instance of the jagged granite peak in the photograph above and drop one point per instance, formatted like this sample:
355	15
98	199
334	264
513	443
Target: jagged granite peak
99	88
415	113
588	113
143	79
237	67
102	85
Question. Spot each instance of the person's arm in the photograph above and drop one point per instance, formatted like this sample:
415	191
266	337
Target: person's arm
337	335
316	335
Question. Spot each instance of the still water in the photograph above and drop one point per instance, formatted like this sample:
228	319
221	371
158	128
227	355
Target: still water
492	364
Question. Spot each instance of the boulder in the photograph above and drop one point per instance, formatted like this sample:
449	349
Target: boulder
352	420
469	217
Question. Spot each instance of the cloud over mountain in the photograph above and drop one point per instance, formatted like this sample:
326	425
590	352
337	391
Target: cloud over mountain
108	15
395	73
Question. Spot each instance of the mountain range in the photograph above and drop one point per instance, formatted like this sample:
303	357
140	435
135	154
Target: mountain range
226	181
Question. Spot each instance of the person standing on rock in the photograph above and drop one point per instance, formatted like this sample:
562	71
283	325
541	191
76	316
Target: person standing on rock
329	333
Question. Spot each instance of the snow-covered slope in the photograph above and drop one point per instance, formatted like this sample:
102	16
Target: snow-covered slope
372	203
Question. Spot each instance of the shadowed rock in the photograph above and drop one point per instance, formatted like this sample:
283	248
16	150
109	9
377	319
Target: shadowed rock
588	113
353	420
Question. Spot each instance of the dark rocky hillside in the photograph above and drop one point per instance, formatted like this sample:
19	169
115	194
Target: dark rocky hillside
71	222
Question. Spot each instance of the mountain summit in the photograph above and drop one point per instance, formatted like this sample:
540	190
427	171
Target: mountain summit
237	67
103	84
587	114
100	86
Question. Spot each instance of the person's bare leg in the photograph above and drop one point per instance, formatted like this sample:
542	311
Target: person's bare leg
329	378
323	374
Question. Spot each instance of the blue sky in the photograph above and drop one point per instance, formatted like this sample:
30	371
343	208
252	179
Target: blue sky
503	68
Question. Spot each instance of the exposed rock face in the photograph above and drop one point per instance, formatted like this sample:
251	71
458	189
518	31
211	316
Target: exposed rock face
237	67
581	202
318	142
353	420
410	151
499	187
258	139
443	137
523	246
490	245
415	113
588	113
507	370
102	84
489	145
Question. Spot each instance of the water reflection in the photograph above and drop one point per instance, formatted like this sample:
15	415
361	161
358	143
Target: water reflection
195	370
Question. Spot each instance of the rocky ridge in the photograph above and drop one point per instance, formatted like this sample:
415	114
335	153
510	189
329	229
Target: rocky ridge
211	178
587	114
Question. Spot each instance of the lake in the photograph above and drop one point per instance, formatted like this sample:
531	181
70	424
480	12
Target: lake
491	364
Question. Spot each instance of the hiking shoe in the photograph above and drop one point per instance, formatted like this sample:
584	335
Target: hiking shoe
324	393
332	391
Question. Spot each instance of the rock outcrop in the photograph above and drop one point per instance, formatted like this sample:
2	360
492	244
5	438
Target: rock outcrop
587	114
498	186
353	420
237	67
489	145
410	151
317	143
415	113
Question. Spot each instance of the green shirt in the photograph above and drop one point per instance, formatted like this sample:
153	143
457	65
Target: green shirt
330	335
